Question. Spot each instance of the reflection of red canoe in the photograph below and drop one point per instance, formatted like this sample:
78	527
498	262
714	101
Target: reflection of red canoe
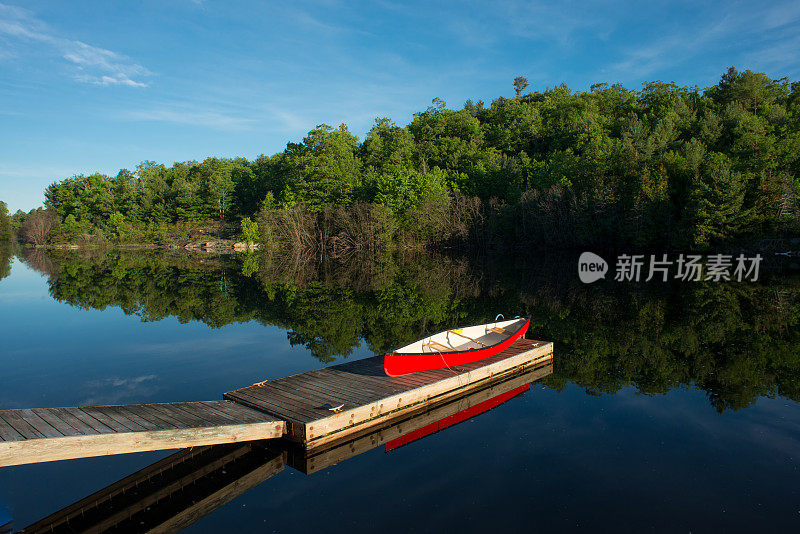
455	347
451	420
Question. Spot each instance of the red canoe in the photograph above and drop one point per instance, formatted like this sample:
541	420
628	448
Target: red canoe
455	347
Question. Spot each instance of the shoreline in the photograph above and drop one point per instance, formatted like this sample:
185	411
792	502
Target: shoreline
222	245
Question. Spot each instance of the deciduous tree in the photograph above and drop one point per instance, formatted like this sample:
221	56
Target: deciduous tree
37	226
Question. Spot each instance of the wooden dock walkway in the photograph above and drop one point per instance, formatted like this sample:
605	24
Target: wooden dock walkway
47	434
367	396
315	408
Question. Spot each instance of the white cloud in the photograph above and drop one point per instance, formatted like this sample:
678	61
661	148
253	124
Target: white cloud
118	71
92	64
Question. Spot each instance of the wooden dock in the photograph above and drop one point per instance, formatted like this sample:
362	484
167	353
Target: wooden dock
47	434
367	397
315	408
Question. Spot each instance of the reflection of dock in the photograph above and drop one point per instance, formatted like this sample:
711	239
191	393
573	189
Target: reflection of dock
175	492
316	408
170	494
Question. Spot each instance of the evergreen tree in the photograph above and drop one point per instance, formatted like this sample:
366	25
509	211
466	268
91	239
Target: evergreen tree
718	212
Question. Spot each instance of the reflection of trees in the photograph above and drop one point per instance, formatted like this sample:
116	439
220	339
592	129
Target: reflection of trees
6	253
735	341
40	260
732	340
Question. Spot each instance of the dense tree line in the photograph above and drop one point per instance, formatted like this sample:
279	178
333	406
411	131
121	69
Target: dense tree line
661	166
735	341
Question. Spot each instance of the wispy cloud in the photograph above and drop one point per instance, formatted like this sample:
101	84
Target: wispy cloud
117	70
92	64
548	21
778	55
208	119
556	25
768	28
669	50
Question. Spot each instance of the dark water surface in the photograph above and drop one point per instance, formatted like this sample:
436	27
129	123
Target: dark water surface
671	407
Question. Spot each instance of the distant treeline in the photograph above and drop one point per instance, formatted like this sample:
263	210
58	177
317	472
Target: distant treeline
735	341
661	166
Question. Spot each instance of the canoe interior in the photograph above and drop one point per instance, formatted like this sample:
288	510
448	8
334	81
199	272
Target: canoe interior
483	335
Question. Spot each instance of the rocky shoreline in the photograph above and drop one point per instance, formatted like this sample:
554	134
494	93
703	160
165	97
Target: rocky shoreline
215	245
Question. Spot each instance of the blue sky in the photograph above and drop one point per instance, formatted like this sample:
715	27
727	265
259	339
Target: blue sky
97	86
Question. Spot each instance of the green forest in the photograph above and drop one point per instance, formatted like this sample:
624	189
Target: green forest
736	342
663	166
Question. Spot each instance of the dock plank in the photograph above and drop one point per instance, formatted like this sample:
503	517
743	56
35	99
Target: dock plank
65	415
232	409
241	413
349	393
18	423
332	395
56	422
185	418
45	428
319	394
350	382
302	410
105	419
301	397
148	413
116	415
8	433
87	419
208	413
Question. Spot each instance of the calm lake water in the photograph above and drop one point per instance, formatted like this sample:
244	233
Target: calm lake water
672	408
